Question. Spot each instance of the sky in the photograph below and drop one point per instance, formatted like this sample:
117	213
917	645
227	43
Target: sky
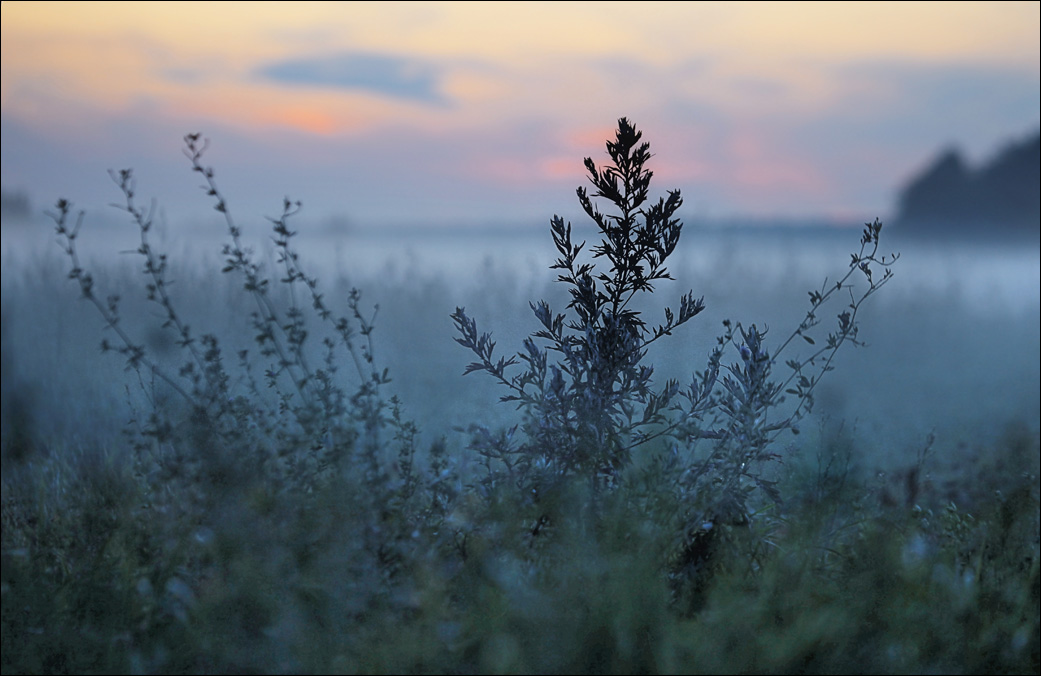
478	113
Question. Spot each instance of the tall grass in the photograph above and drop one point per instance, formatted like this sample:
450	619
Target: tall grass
273	507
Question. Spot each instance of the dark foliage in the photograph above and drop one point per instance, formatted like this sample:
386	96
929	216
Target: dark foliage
274	512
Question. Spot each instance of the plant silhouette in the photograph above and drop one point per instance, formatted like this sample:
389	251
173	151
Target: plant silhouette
585	389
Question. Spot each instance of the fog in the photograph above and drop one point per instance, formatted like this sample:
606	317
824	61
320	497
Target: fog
952	340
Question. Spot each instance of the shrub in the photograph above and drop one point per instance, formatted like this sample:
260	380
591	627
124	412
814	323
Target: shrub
584	388
270	458
587	410
292	421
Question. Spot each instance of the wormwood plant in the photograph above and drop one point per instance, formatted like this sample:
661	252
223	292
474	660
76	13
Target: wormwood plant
584	387
588	409
290	421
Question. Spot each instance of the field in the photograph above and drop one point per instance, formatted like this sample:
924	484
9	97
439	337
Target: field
411	522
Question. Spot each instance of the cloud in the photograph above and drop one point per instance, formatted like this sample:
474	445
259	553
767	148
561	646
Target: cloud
390	76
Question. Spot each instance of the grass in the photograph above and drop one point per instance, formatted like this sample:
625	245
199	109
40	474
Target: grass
278	510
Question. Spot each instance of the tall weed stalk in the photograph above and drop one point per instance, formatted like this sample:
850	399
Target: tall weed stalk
587	395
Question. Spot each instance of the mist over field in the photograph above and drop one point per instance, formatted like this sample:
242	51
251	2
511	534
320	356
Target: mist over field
952	340
283	494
